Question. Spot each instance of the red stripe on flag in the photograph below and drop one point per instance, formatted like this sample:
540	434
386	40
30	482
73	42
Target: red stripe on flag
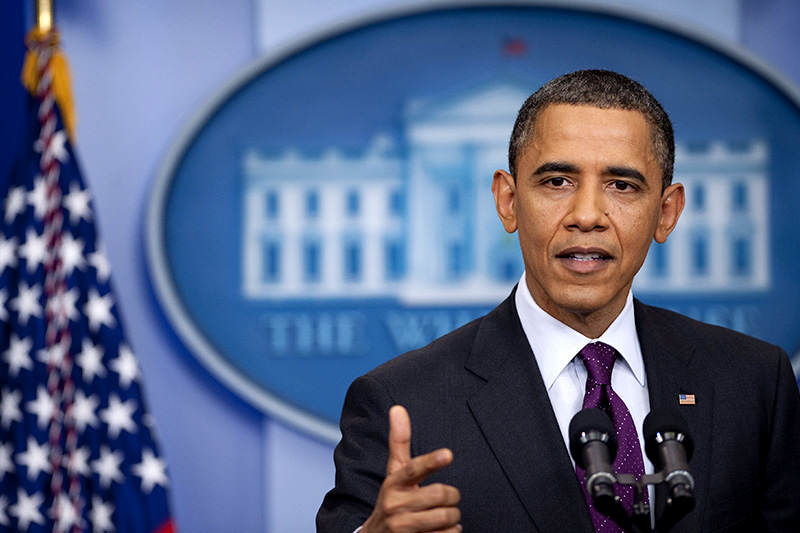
166	527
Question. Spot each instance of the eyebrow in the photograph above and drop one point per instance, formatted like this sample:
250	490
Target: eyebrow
556	166
626	172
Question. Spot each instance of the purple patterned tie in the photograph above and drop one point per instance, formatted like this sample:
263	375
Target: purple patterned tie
599	359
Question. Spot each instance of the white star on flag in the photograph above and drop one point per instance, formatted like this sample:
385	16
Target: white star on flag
34	250
126	366
26	304
53	355
77	203
6	464
8	253
17	355
63	304
9	407
91	361
71	254
100	515
43	407
78	462
98	310
83	410
37	197
67	517
119	415
36	458
27	509
99	261
57	147
152	470
15	203
107	466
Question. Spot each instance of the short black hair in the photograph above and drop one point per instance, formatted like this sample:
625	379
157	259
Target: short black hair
599	88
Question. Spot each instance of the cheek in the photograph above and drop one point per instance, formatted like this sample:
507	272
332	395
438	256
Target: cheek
636	232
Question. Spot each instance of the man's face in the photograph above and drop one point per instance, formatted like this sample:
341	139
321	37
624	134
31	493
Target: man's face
587	202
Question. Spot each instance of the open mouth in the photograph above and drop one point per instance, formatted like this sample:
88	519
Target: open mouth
585	256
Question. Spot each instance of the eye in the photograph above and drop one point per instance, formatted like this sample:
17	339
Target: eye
623	185
557	181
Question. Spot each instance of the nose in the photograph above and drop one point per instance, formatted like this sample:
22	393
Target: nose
588	210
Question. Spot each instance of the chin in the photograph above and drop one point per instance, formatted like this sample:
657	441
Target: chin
582	301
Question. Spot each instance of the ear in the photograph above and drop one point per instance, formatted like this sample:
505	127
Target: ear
672	200
504	190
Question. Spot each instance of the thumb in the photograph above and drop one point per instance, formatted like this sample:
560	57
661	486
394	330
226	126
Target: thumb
399	439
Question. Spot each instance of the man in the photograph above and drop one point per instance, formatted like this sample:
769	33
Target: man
589	188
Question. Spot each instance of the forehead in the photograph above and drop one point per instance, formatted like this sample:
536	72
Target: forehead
583	130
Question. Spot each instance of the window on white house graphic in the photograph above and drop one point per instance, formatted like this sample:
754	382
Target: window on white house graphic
394	259
271	260
739	199
352	260
742	252
698	198
352	203
700	255
397	203
453	200
456	260
272	206
312	204
312	257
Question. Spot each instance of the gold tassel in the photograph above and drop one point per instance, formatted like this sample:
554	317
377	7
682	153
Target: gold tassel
60	75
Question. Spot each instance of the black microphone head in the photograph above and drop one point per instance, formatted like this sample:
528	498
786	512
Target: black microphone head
662	421
586	421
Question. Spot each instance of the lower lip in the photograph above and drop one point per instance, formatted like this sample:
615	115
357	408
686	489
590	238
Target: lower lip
584	266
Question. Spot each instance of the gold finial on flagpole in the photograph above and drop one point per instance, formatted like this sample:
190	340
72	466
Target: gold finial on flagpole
44	15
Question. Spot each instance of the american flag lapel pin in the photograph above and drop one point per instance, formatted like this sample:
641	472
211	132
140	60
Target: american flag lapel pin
685	399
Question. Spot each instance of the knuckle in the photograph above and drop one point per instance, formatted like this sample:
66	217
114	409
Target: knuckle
448	515
439	492
389	505
395	523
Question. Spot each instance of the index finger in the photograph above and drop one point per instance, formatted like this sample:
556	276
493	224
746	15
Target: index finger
399	439
420	467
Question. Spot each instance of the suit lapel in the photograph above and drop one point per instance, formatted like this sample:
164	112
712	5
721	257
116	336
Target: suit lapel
673	368
514	413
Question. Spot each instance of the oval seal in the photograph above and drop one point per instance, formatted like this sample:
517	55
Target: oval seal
330	207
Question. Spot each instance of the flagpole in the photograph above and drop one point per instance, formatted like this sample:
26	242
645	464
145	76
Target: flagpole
44	15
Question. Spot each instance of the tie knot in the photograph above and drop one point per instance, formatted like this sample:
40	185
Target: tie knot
598	358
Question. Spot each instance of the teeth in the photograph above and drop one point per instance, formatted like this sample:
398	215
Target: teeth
586	257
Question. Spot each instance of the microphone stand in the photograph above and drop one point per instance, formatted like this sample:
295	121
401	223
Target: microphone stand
639	522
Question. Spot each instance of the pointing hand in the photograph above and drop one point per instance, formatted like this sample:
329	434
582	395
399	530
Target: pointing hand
404	506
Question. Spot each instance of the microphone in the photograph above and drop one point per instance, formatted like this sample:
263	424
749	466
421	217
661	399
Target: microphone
593	445
669	446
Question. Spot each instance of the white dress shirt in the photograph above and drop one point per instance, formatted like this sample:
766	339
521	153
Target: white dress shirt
555	347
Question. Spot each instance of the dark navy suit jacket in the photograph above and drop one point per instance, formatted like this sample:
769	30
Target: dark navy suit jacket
479	392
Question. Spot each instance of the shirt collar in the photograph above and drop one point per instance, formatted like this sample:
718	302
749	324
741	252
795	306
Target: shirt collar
555	344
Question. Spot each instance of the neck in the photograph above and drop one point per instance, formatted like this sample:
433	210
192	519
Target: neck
590	323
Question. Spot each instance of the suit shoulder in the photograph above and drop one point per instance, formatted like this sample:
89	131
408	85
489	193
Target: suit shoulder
446	352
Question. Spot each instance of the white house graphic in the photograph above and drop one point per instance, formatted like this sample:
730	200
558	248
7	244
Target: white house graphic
415	219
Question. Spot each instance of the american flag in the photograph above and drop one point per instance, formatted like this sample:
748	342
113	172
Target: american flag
77	446
685	399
